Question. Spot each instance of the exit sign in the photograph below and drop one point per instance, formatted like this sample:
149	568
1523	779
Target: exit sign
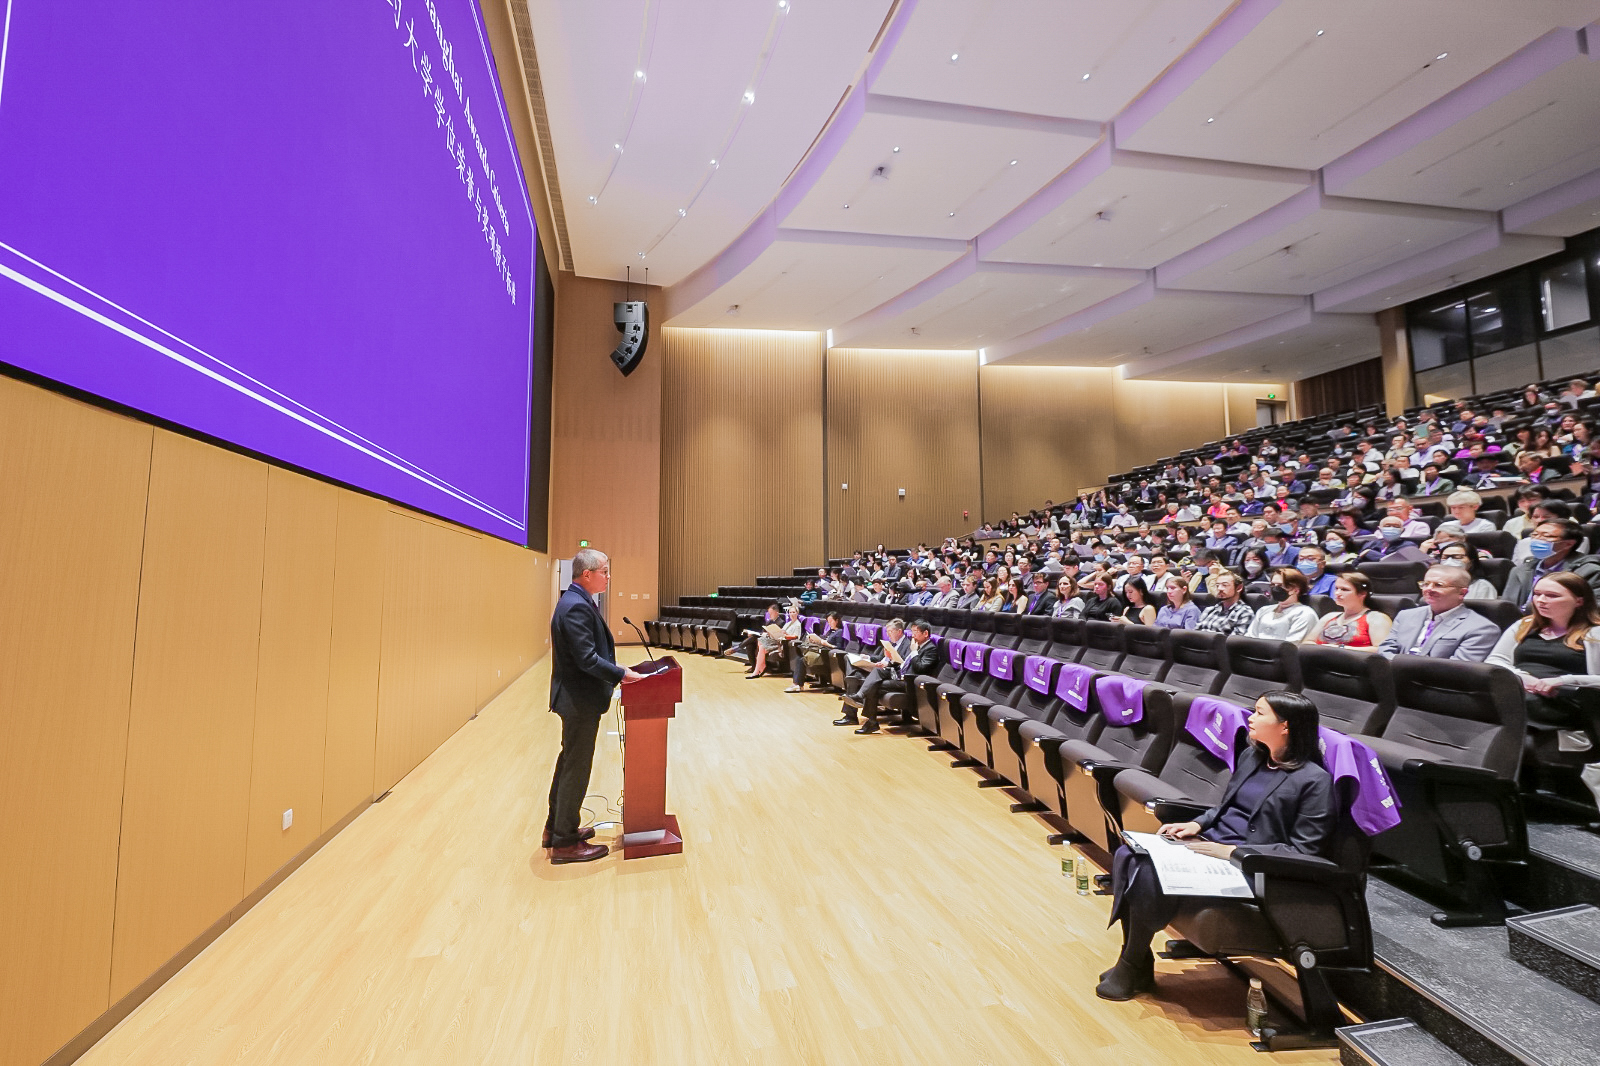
585	544
1270	396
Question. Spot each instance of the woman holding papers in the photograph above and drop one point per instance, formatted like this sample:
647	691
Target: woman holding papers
1279	799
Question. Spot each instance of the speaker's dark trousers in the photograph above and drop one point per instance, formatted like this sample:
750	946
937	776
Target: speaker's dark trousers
570	783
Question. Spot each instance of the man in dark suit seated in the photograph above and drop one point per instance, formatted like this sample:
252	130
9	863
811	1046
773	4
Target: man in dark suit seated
1041	600
919	655
583	674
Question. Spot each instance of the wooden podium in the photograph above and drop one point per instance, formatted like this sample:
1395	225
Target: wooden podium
647	707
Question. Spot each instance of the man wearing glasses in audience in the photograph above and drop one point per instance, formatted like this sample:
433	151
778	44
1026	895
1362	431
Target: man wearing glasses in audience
1442	628
1553	548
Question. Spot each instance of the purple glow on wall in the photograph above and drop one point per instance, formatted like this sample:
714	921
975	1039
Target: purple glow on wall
299	227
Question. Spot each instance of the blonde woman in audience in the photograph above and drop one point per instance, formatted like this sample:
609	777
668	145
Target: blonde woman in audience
990	599
1555	653
1286	617
1355	625
1180	611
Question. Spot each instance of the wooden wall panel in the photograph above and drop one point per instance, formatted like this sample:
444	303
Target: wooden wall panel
427	670
75	481
1157	418
193	704
1047	431
901	419
356	630
741	458
291	725
605	469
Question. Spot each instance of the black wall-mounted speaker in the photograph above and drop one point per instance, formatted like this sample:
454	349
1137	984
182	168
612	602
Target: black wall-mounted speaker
633	322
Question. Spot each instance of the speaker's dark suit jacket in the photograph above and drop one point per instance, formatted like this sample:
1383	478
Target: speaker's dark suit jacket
584	669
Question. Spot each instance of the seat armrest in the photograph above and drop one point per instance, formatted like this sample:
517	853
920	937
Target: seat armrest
1296	868
1103	772
1169	810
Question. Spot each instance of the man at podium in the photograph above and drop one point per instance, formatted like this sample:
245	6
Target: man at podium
583	673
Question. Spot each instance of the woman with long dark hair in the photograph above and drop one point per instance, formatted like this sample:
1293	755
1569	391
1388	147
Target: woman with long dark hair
1279	800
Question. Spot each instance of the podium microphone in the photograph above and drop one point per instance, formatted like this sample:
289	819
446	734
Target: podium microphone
642	639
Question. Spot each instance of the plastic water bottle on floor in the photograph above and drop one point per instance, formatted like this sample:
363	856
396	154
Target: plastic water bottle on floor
1255	1008
1082	866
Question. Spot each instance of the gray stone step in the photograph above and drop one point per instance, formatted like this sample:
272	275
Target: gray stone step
1563	868
1463	986
1396	1042
1562	945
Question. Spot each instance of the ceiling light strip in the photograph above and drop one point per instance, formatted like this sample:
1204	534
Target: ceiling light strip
769	48
646	52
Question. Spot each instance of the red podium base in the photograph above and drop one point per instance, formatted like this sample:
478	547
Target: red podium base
656	842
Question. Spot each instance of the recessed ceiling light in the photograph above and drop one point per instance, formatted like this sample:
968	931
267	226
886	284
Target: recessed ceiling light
784	4
847	207
618	147
952	214
682	211
1013	162
1084	78
1440	56
594	200
897	147
1321	32
749	96
1211	120
639	74
954	56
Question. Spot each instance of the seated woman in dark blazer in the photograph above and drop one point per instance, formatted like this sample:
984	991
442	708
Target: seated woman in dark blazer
1279	799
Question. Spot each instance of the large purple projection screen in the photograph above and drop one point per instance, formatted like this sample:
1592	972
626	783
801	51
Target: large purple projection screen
296	225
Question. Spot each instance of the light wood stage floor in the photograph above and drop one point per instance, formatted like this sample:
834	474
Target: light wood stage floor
840	899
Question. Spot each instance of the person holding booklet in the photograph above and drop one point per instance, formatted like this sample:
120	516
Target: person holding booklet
811	655
907	659
1279	799
895	647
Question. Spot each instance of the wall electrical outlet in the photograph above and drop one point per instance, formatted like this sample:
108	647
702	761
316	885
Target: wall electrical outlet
288	818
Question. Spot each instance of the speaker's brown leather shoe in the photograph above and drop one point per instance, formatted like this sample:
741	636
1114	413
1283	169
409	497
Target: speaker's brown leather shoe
578	853
583	834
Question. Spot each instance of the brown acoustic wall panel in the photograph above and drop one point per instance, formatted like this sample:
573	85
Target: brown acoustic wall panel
74	479
187	799
1047	431
605	470
290	744
741	457
901	419
356	633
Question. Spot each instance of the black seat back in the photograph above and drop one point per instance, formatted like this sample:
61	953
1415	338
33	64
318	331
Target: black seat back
1199	661
1471	714
1257	667
1149	652
1394	579
1104	645
1353	690
1067	638
1034	634
1006	631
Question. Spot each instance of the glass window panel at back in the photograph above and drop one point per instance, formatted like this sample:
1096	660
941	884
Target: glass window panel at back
1499	314
1563	295
1438	332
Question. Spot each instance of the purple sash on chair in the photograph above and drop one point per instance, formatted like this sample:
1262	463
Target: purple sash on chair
974	656
1214	724
956	652
868	633
1003	664
1121	698
810	623
1375	807
849	631
1036	673
1073	685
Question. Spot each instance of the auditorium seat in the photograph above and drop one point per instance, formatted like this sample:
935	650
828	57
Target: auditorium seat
1501	612
1394	579
1497	543
1199	661
1004	678
1452	747
1353	690
1149	652
1033	704
1308	912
